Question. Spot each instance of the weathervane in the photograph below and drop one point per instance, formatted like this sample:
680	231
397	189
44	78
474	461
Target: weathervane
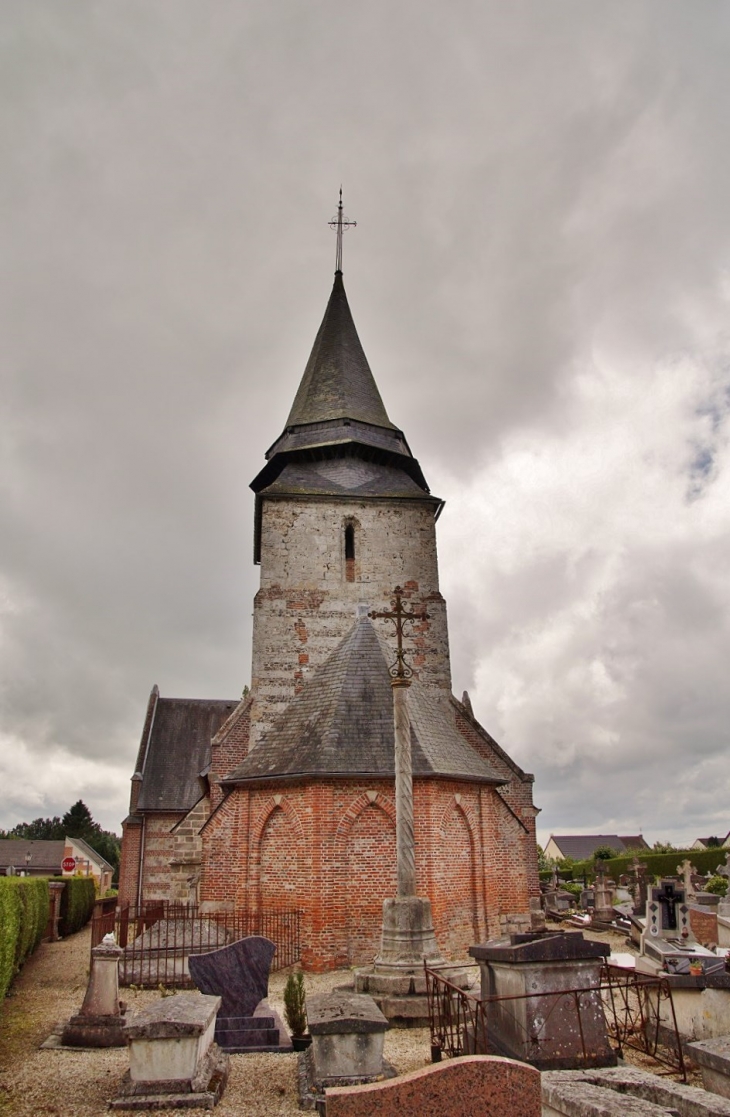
400	673
340	224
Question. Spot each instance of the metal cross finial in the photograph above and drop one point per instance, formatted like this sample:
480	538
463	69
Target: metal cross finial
400	670
340	224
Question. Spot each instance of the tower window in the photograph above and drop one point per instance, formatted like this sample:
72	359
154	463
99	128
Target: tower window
350	552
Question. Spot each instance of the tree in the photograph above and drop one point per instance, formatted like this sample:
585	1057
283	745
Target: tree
663	847
605	853
78	822
713	843
40	829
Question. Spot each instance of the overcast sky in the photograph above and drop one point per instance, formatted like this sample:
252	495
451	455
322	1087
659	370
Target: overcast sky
540	278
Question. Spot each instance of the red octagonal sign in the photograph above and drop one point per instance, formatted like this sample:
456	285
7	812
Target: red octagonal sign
68	864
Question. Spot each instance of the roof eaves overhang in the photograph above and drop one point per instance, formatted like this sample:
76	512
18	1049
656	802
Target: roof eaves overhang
311	776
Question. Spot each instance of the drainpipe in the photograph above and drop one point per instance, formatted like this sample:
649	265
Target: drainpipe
141	861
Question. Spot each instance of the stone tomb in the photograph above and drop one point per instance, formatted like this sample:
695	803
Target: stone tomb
347	1030
471	1086
173	1061
538	1018
239	975
713	1058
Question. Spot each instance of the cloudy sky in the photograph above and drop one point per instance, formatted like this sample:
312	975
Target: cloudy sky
540	278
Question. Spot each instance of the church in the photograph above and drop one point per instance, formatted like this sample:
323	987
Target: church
285	799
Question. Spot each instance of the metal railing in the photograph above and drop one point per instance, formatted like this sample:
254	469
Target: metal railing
640	1016
158	937
637	1010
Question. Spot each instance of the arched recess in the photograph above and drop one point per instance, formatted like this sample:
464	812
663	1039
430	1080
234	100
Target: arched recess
458	895
365	843
277	864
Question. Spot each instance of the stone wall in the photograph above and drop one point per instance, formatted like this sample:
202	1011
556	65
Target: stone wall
159	849
307	603
186	854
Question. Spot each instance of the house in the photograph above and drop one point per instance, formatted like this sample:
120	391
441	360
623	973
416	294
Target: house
711	843
579	847
286	798
40	858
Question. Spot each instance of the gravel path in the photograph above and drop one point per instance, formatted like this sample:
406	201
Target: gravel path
69	1083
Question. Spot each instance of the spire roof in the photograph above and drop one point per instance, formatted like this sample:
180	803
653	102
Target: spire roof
337	382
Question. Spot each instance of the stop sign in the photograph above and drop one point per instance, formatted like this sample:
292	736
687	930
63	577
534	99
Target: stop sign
68	864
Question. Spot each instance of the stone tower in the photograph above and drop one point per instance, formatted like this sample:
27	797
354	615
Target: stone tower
343	515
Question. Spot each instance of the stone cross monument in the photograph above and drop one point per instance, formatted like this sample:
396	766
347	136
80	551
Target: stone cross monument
408	935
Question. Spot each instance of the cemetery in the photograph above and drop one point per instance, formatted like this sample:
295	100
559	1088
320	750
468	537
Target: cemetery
620	1011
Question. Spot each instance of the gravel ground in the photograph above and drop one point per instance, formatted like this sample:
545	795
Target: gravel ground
67	1083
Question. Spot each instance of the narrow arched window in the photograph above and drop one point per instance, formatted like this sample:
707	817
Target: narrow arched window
350	552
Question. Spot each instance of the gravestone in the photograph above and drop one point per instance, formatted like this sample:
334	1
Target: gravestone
685	871
603	896
667	914
640	886
99	1023
471	1086
239	975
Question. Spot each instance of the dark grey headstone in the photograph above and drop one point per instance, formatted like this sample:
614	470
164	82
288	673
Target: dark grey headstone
238	973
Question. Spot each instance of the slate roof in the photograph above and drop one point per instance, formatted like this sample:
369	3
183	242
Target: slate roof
177	750
338	413
582	846
346	476
337	381
46	855
341	724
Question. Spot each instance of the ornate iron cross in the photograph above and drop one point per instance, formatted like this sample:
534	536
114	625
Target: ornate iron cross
400	616
340	224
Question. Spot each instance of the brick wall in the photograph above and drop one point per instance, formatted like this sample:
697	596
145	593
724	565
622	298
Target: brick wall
229	747
129	862
328	848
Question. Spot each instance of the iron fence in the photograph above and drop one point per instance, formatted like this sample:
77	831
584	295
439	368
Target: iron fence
637	1010
158	937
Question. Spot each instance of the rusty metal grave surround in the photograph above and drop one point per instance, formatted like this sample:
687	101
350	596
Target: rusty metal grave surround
459	1020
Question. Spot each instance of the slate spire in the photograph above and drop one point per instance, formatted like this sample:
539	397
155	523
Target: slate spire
337	381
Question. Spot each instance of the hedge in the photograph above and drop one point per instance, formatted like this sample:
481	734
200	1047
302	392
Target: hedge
657	864
24	907
77	904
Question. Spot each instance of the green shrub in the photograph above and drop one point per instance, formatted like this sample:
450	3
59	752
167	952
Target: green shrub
718	885
658	864
571	886
77	904
24	905
294	1003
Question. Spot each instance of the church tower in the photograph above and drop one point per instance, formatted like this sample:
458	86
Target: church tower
285	800
343	515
